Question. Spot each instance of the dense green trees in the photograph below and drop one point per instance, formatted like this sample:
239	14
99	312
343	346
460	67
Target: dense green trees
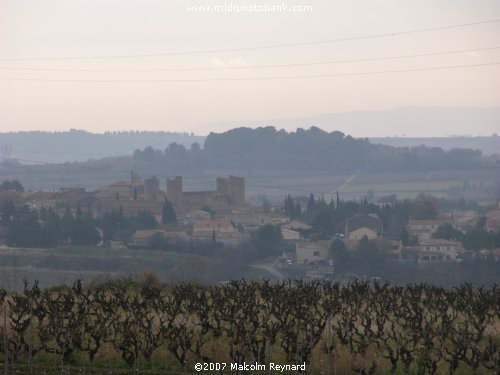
45	228
448	232
26	227
292	208
475	238
269	148
168	215
11	185
315	148
268	240
329	217
115	225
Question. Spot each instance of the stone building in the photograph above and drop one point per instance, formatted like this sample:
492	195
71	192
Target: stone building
174	191
229	191
368	221
151	189
307	252
232	188
423	229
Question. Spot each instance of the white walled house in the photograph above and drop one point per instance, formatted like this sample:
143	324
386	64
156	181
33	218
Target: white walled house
439	250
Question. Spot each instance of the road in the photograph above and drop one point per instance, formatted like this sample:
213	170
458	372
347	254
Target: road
331	193
270	268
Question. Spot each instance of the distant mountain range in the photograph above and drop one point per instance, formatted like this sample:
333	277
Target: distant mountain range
414	122
80	145
488	145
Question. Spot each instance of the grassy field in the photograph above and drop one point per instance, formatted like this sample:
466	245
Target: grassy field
356	185
66	264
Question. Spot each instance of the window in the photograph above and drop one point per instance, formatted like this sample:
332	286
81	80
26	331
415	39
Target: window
316	253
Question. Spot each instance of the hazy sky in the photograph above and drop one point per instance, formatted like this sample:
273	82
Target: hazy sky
90	28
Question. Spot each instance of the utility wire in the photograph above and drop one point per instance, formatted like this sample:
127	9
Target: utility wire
260	66
286	45
446	67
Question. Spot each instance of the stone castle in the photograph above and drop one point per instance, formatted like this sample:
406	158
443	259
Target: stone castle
230	191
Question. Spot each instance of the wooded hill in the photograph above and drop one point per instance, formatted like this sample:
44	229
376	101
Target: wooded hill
311	149
247	152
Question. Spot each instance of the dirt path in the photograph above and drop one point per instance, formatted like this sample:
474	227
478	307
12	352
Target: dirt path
332	193
270	268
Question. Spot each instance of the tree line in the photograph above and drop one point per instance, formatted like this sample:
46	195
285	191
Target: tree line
23	226
329	218
304	149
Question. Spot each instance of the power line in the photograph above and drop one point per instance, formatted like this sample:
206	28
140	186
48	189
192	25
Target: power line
286	45
260	66
447	67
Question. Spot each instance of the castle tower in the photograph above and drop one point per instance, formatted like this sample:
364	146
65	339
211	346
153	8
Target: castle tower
151	188
222	186
174	191
237	189
231	189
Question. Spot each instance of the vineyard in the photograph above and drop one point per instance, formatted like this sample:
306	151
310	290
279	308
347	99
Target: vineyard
360	328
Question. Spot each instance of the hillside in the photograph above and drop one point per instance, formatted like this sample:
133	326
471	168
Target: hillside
413	122
275	162
80	145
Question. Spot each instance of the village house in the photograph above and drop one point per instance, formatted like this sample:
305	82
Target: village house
493	221
221	230
131	207
358	234
119	190
463	220
423	229
439	250
489	254
195	215
307	252
390	245
290	235
369	224
64	199
250	221
296	225
134	189
206	228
